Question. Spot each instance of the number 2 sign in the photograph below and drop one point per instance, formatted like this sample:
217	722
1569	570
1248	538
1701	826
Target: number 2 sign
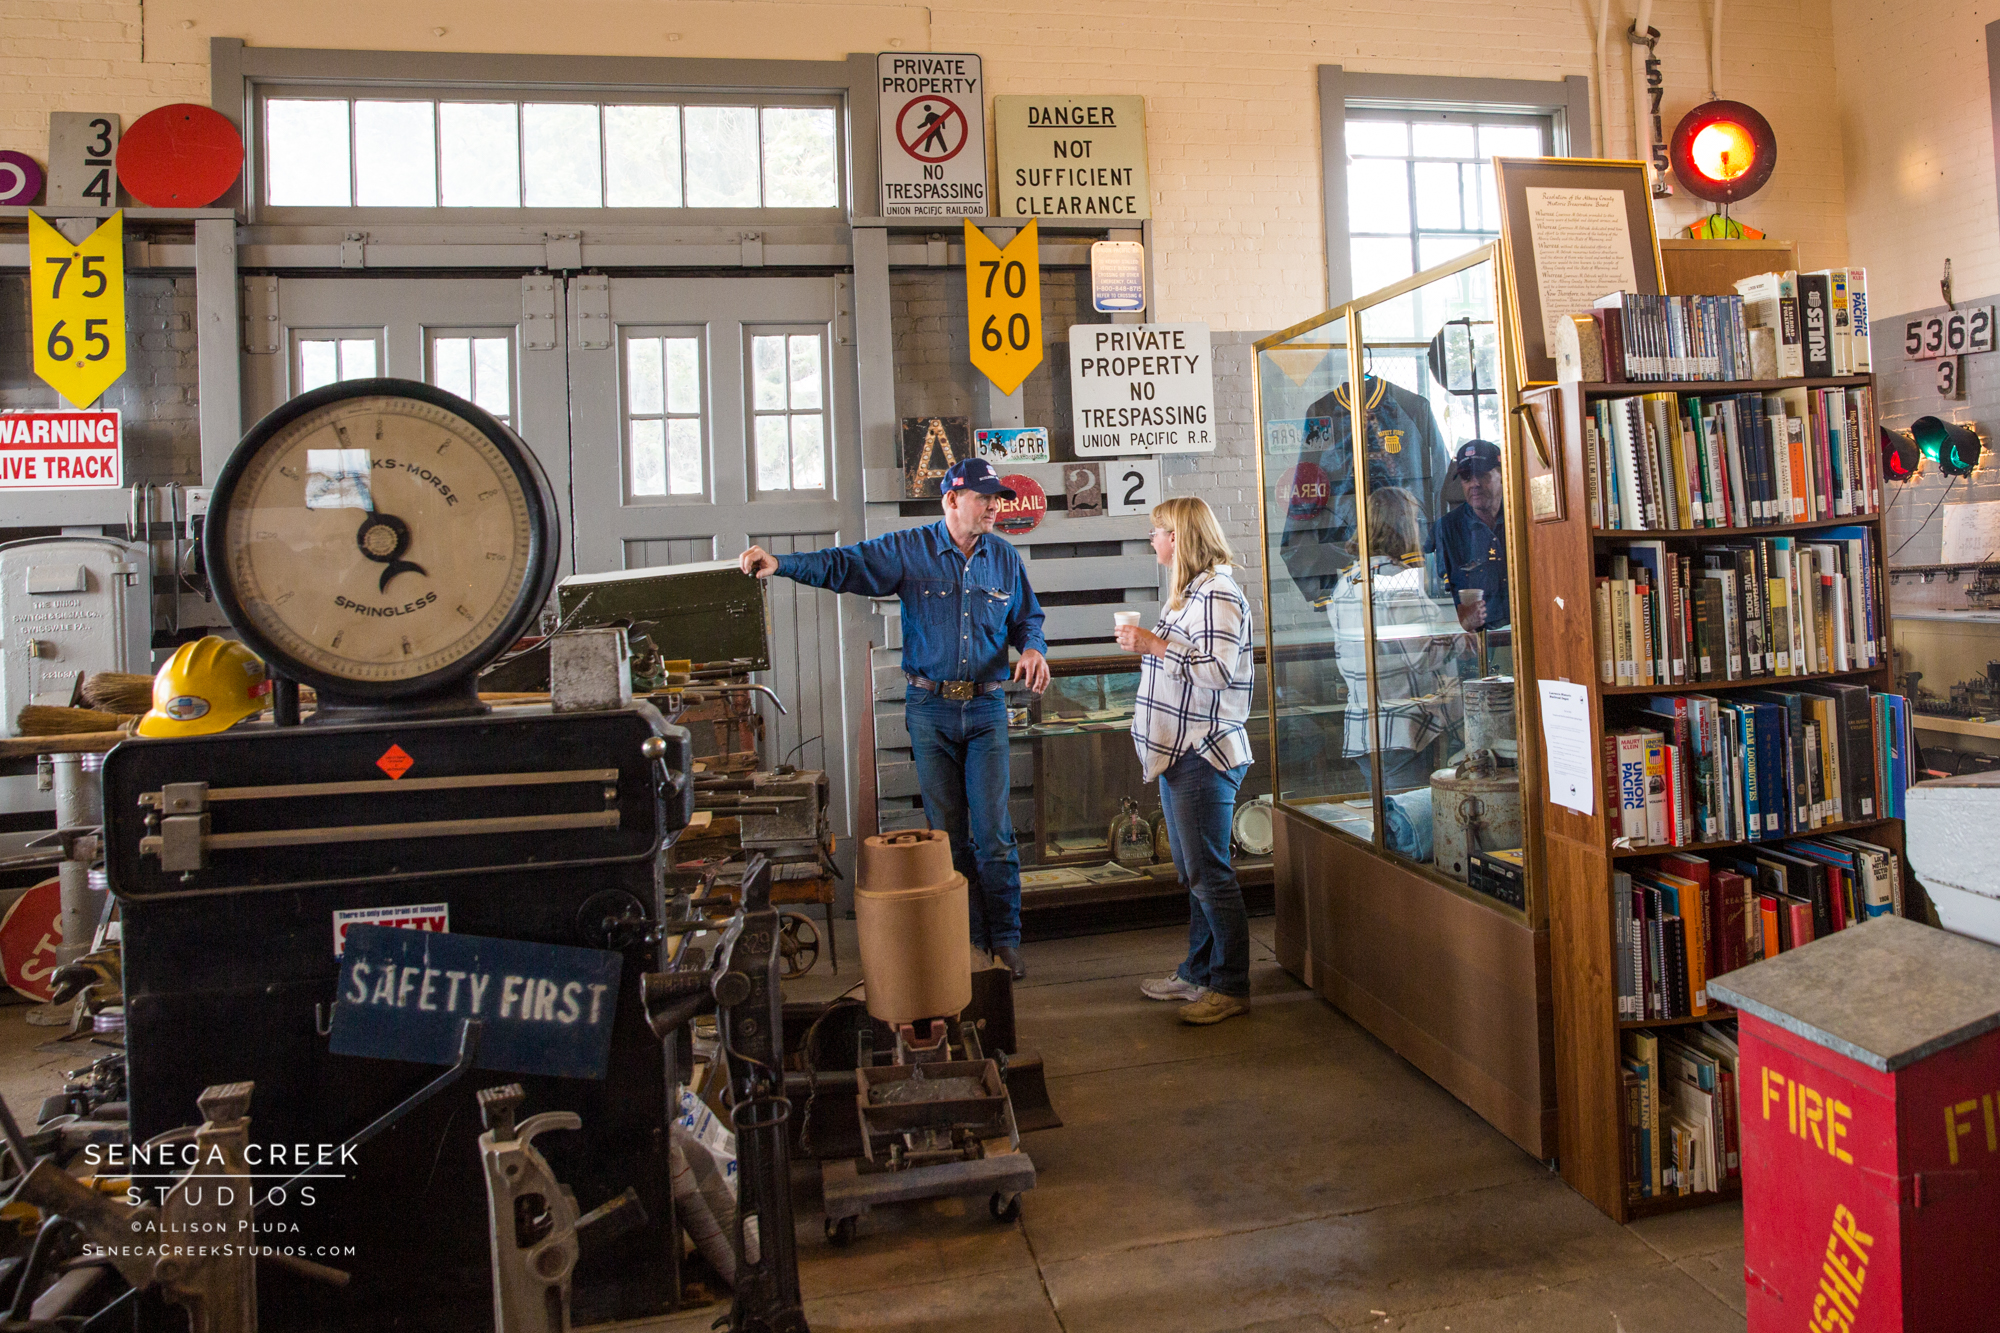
77	300
1131	485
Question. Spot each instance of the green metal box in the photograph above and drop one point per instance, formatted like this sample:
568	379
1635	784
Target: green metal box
709	612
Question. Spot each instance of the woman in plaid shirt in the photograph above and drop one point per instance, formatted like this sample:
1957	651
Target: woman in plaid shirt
1194	694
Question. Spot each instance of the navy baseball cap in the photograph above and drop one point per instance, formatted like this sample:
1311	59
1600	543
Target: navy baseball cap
1475	456
974	474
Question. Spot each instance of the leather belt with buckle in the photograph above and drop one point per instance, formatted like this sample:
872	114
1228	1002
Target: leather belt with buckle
955	690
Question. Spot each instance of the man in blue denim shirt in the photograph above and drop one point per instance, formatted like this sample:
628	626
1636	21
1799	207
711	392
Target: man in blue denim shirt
966	600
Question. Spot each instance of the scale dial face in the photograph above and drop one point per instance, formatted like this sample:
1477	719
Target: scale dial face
381	538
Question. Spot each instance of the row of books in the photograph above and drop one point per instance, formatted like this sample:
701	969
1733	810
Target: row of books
1774	606
1683	1130
1681	919
1674	461
1819	319
1756	767
1673	337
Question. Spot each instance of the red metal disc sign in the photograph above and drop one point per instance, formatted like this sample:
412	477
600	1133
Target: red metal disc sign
1025	511
1307	490
180	156
29	934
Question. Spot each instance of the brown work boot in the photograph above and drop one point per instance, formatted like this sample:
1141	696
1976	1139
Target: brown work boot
1213	1007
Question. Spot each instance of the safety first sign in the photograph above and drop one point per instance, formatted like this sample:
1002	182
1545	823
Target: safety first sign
60	451
933	111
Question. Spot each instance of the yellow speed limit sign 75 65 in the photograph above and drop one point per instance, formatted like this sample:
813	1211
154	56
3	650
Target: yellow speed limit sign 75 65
77	300
1003	300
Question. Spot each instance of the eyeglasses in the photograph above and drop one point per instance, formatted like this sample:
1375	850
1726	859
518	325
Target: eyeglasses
1161	532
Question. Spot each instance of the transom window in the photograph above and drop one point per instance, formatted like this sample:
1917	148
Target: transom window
478	367
788	410
663	414
341	152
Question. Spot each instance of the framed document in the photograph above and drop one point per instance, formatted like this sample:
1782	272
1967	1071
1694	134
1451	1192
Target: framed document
1571	230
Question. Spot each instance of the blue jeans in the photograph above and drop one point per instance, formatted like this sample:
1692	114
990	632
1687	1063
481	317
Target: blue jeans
961	753
1199	801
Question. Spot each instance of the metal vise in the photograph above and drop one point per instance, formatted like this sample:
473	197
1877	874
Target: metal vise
532	1216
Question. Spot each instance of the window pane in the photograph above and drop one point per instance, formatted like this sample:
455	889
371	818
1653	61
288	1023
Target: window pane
645	388
1510	141
684	456
491	386
721	156
564	164
1442	140
1482	207
1377	138
1378	263
805	371
1378	196
1437	195
1434	250
808	452
799	150
395	155
649	458
767	373
642	156
451	365
773	464
357	358
481	146
319	364
683	374
305	153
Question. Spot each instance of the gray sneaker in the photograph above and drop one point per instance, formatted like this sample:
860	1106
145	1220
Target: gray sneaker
1171	987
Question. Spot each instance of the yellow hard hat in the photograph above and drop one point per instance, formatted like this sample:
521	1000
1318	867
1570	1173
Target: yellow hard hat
205	687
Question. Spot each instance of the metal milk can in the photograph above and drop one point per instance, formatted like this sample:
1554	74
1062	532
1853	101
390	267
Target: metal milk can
1474	807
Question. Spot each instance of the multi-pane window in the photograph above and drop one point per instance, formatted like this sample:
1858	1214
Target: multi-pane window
788	410
663	414
336	152
476	367
330	358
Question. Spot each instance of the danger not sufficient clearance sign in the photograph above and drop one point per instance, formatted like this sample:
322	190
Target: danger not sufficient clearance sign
1141	389
933	110
59	451
1072	156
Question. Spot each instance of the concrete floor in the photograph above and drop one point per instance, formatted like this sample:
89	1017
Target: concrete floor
1284	1171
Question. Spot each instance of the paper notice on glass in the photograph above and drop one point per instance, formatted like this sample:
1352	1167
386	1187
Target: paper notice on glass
1583	250
1566	735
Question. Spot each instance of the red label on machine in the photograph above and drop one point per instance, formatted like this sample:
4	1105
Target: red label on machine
395	761
427	916
29	936
60	451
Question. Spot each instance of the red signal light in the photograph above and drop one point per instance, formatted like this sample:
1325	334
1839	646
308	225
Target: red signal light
1723	151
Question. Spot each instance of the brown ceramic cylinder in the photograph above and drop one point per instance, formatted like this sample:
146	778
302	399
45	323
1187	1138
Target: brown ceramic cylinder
916	936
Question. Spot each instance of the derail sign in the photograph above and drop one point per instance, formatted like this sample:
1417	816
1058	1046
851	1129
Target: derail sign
50	451
405	995
1141	389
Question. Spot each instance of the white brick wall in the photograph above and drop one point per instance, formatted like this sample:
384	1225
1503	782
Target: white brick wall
1231	93
1915	113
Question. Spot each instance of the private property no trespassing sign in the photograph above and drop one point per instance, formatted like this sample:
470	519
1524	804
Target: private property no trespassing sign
60	451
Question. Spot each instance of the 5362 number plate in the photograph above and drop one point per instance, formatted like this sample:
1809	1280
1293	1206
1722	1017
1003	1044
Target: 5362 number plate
1953	334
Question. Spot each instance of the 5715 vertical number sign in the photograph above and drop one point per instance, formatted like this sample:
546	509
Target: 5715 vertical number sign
77	299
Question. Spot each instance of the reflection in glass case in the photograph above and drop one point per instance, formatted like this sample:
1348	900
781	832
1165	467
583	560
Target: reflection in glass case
1391	556
1089	787
1947	656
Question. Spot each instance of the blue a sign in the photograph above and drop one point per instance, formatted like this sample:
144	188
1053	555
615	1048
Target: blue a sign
405	995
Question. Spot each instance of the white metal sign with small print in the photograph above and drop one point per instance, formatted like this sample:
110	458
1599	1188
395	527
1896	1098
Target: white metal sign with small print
1954	333
422	916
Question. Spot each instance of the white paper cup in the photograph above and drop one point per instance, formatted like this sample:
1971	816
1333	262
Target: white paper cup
1123	618
1471	596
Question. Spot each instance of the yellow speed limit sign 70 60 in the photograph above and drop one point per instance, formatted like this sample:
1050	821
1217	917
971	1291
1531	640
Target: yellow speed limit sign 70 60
77	300
1003	301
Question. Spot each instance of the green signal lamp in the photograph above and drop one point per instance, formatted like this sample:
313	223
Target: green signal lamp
1953	447
1900	455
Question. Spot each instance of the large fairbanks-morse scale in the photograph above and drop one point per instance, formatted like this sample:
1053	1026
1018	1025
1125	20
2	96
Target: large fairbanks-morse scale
381	542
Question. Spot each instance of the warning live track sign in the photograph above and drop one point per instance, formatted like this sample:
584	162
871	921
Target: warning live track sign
50	451
933	110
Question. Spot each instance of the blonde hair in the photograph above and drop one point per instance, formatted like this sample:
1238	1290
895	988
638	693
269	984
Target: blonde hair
1199	545
1395	523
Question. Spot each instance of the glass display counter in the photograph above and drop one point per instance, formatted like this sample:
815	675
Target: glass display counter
1406	807
1390	566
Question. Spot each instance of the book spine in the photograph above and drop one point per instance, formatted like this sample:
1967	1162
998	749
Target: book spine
1600	616
1590	454
1656	790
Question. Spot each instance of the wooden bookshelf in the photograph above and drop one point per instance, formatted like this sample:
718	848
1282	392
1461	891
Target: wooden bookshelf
1581	852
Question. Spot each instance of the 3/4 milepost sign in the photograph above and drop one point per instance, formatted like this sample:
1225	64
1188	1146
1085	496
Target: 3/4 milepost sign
933	111
1141	389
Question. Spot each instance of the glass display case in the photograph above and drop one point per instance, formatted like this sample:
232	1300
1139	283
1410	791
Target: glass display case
1088	780
1391	554
1945	620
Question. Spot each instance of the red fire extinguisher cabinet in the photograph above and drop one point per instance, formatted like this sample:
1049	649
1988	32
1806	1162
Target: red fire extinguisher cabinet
1870	1110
